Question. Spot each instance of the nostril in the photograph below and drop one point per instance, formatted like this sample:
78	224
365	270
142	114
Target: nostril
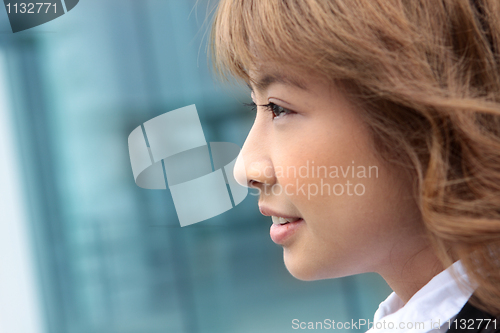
253	183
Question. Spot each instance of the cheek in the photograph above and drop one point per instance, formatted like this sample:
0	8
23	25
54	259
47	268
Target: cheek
347	235
326	171
336	174
326	186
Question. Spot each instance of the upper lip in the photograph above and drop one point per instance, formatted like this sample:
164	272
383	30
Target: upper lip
268	212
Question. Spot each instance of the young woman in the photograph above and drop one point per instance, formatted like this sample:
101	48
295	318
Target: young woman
376	145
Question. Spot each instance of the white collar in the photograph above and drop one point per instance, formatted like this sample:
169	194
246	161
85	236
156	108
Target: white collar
433	305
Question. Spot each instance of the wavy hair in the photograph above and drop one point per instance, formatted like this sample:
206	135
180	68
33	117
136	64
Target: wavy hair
427	75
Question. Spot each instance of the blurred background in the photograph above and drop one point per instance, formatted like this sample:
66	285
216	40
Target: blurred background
85	250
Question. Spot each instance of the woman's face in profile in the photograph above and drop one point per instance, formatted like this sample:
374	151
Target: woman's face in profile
338	208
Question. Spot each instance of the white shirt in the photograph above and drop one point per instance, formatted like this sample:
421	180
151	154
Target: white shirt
429	309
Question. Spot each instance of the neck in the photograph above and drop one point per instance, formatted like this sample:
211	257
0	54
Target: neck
408	275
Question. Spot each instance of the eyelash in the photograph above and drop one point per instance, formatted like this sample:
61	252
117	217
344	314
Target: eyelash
276	110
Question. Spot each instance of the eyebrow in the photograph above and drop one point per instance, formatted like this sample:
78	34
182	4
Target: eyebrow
264	82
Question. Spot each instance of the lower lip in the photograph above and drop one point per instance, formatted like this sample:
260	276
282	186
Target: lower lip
280	232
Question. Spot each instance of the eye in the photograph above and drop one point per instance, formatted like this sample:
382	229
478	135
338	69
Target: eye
277	111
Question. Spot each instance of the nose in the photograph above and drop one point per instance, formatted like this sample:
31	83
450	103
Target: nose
254	167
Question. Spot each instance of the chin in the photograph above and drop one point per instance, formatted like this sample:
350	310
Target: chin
301	270
303	277
306	270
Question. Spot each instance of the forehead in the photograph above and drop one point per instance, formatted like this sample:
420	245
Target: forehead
262	77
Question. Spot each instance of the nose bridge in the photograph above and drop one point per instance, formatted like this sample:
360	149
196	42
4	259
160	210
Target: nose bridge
254	164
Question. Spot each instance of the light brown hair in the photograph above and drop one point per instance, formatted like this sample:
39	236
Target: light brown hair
427	73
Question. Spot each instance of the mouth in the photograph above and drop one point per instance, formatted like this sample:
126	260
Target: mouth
283	227
282	220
